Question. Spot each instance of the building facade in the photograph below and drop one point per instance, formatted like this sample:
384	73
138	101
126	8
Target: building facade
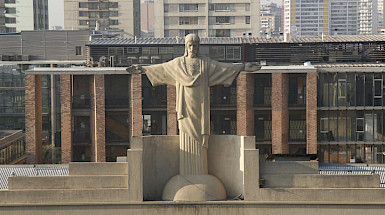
271	19
147	18
332	107
335	17
19	15
103	15
207	19
37	49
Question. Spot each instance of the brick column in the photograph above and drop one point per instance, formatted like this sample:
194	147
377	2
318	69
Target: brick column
66	118
98	119
33	119
172	122
311	113
280	113
136	105
245	111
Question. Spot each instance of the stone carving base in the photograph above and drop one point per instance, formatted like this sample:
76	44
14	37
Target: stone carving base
194	188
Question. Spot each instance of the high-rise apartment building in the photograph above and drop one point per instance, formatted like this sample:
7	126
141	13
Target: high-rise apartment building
147	18
271	19
217	18
344	17
21	15
306	17
105	15
334	17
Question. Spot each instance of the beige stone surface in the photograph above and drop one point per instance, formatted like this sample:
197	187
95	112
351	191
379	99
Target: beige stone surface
194	188
67	182
321	181
85	168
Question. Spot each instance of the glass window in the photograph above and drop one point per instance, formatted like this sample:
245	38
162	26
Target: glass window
81	91
247	7
297	126
188	7
154	123
116	91
262	86
78	50
114	22
113	5
153	96
297	89
262	125
223	20
10	20
369	89
222	32
114	13
360	90
224	7
11	10
83	13
188	20
223	122
83	4
217	52
247	20
233	53
223	95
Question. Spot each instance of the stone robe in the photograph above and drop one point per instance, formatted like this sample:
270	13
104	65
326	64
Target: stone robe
192	103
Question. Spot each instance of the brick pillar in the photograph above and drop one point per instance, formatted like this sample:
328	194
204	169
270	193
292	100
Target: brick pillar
33	119
172	122
66	118
280	113
245	111
311	113
98	119
136	105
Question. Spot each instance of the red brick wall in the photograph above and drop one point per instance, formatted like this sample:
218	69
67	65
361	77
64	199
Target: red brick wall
311	112
280	113
172	122
66	118
136	105
245	111
33	119
98	119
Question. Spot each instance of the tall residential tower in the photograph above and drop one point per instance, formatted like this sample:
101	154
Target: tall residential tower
22	15
105	15
215	18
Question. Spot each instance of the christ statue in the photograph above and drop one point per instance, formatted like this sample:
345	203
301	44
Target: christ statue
192	76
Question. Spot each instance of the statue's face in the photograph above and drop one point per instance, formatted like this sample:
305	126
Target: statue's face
192	49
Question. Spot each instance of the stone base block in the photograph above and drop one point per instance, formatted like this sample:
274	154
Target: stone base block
194	188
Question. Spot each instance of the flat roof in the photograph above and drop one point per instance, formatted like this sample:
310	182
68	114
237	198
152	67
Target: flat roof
35	62
237	40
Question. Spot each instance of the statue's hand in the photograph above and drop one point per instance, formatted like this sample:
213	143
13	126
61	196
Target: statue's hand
205	141
135	69
252	67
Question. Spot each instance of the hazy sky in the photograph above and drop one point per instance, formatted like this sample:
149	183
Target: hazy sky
56	13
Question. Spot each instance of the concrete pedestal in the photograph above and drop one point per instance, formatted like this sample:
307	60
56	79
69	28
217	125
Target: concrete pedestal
194	188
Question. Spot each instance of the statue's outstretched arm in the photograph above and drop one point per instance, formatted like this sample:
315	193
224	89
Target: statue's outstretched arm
251	67
135	69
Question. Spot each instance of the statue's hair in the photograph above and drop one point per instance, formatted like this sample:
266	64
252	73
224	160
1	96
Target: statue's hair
189	38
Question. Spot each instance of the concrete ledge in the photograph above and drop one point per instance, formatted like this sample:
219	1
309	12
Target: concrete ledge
64	196
321	181
67	182
288	167
98	168
206	208
358	195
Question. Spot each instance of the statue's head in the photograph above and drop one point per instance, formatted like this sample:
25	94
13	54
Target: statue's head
191	45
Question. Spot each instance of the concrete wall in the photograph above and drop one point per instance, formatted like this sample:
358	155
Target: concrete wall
226	161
